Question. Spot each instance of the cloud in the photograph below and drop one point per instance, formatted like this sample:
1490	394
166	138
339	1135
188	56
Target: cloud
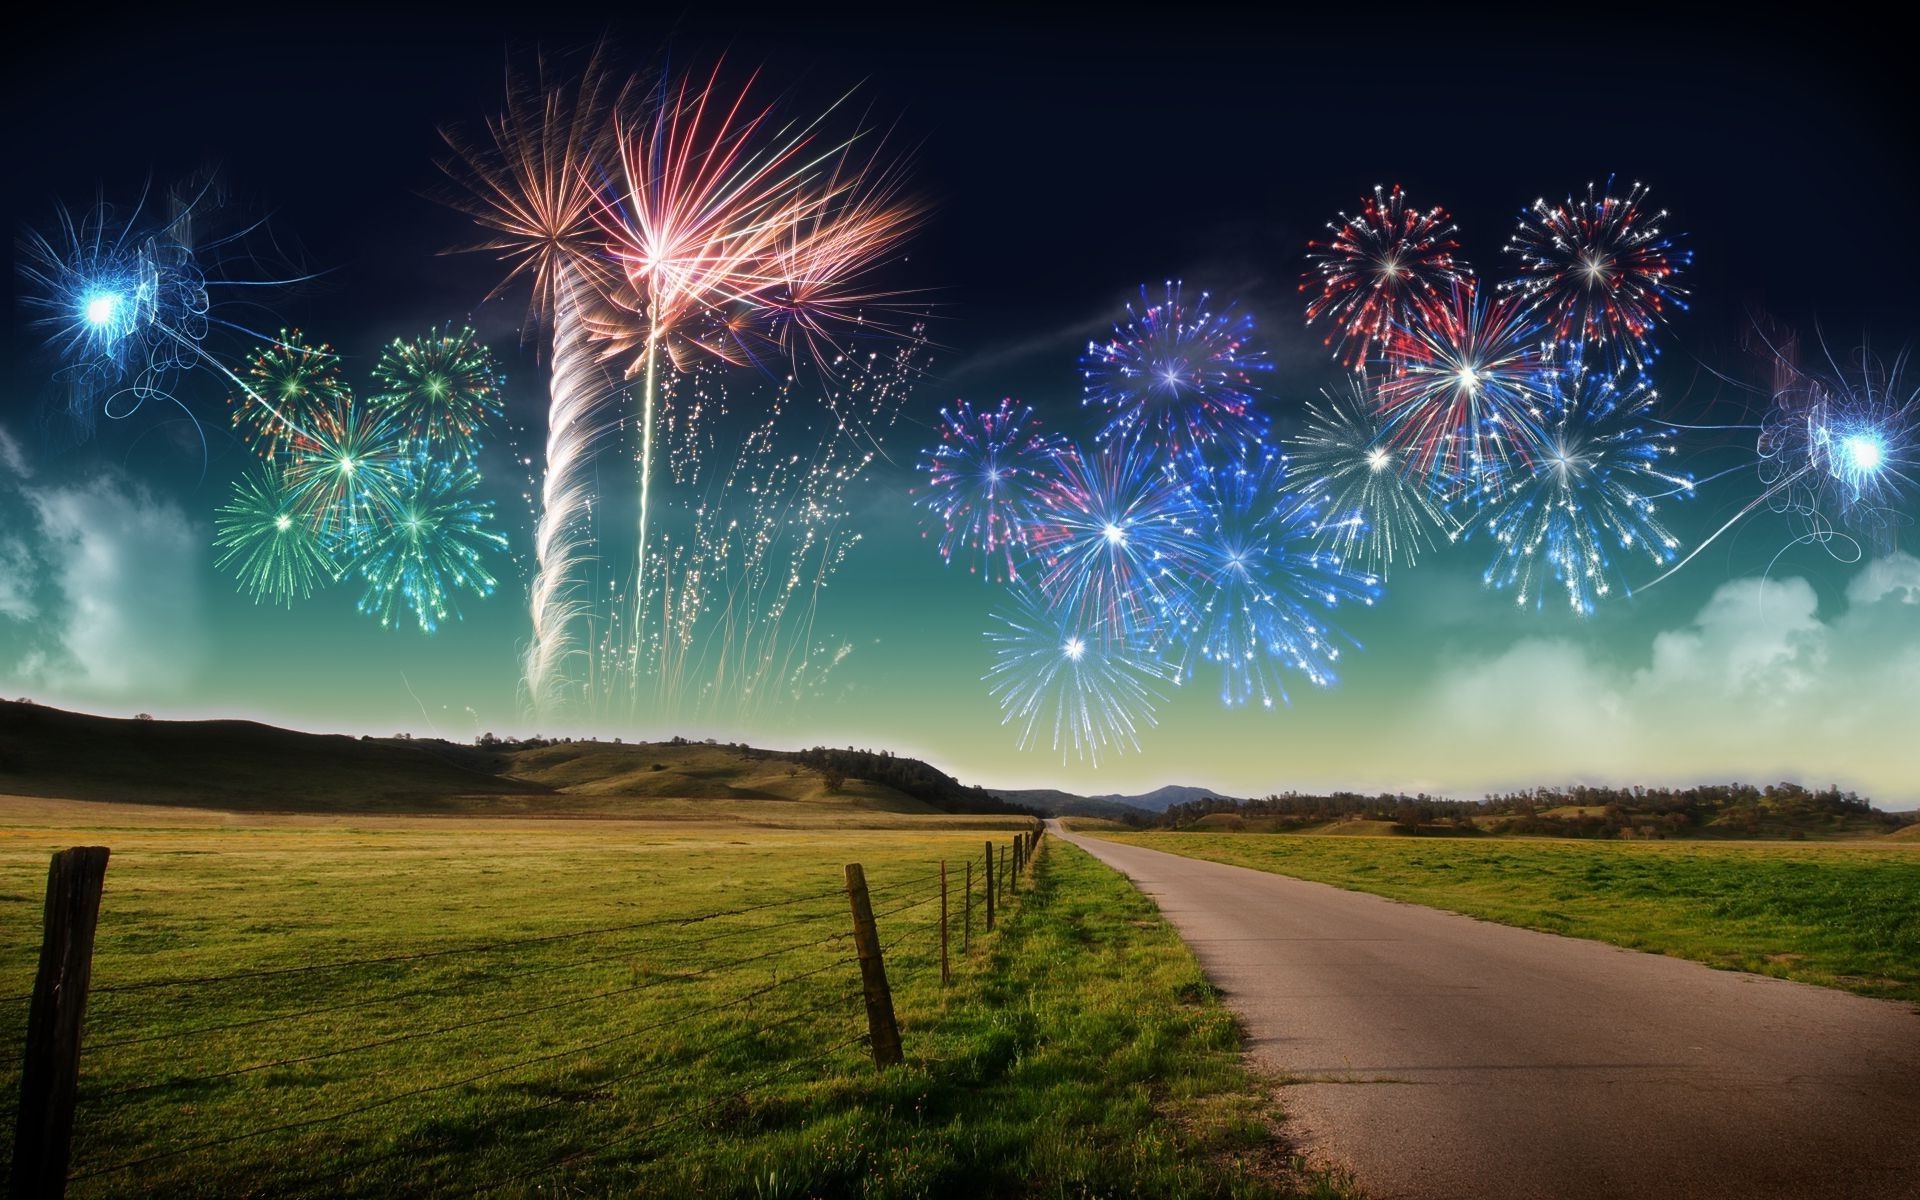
1758	685
112	573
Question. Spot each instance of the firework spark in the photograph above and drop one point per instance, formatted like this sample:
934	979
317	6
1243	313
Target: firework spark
1259	600
1081	687
1113	533
1599	271
1377	513
982	480
1468	380
1591	496
1181	373
1380	264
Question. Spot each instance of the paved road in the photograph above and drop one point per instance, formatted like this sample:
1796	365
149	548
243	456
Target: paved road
1437	1056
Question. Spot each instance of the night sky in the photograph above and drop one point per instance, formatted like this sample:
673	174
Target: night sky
1070	157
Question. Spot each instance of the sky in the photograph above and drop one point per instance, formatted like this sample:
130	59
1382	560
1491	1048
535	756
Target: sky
1069	158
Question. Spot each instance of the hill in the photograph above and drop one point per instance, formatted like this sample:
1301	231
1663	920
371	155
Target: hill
252	767
1113	806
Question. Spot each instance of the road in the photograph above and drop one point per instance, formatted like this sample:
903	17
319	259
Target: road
1439	1057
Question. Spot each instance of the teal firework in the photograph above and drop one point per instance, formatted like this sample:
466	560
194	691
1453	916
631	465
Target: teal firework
431	546
441	390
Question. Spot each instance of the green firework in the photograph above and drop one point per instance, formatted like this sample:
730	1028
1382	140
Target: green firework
289	387
269	540
442	389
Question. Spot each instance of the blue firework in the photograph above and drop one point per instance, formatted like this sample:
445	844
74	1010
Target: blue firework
1182	373
1065	679
1113	536
1589	503
430	545
1265	587
981	481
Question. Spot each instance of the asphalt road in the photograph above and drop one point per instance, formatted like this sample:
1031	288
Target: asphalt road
1436	1056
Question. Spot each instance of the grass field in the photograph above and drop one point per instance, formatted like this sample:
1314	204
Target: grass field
504	1047
1845	916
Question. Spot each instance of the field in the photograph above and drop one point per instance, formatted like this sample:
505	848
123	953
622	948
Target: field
1845	916
311	1006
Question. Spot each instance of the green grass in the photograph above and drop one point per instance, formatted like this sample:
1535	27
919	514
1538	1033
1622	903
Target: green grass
1842	916
1078	1051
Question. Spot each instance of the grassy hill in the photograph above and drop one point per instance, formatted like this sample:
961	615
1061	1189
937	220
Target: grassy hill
250	767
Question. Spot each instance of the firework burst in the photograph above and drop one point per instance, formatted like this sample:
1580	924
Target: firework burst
442	389
269	540
1467	382
1182	373
982	480
428	546
1068	680
1589	503
1376	512
1380	264
301	388
1113	533
346	472
1264	584
1599	271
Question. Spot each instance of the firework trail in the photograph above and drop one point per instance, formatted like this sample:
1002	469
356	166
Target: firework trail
1467	383
128	299
1599	272
1182	374
1376	512
1095	686
1381	264
1113	534
757	525
1600	466
530	182
1264	584
270	540
443	389
430	545
982	480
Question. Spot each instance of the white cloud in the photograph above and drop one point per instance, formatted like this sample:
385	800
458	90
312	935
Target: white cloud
1758	685
16	580
117	570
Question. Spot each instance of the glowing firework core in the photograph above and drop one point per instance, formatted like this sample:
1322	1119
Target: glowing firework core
1864	452
101	308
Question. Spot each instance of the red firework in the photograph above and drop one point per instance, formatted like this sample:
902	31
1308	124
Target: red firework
1379	265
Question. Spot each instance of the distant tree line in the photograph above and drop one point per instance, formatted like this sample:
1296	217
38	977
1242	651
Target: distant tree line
1732	809
924	783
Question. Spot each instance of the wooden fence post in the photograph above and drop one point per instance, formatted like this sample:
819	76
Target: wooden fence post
966	921
945	976
882	1031
50	1063
1013	868
989	887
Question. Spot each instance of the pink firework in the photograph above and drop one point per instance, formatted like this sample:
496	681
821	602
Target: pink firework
1380	264
982	480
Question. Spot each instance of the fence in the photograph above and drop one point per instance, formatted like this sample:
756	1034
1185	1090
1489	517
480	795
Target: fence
469	1069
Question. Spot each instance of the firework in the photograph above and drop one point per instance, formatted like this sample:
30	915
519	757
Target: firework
1839	446
428	546
1095	686
1599	271
1376	512
530	183
442	389
1380	264
981	482
269	540
1264	584
1590	500
1113	533
1468	381
300	385
346	471
1181	373
128	297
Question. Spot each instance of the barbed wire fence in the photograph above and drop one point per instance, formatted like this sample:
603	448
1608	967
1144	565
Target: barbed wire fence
469	1069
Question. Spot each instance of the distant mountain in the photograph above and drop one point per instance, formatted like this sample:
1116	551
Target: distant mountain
1112	805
